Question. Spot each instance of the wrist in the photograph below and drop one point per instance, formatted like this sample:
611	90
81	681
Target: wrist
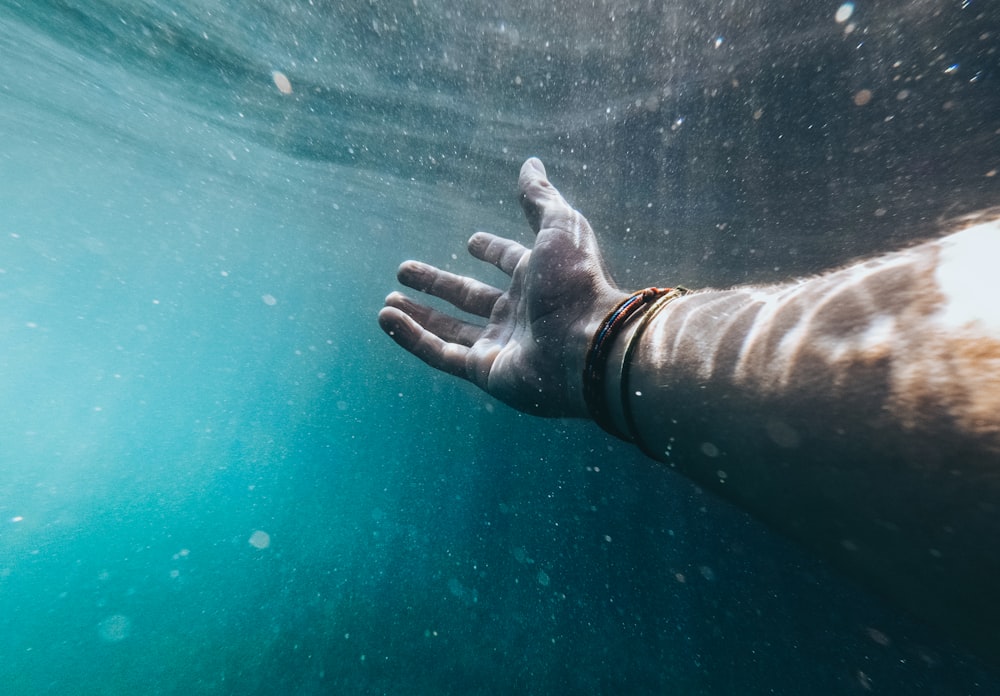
613	380
579	346
607	385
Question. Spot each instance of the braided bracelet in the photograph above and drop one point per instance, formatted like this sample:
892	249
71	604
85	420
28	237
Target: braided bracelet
595	365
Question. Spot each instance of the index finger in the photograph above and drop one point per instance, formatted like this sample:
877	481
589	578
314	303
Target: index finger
503	253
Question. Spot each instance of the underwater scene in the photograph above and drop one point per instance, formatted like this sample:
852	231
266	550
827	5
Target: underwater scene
219	476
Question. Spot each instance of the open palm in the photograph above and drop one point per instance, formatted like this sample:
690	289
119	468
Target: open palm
530	353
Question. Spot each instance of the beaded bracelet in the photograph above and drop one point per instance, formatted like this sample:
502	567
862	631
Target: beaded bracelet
595	365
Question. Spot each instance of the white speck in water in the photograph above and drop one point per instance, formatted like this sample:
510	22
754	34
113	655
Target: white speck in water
543	578
282	82
260	539
115	628
269	300
844	12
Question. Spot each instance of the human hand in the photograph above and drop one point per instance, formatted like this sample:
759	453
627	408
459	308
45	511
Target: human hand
530	354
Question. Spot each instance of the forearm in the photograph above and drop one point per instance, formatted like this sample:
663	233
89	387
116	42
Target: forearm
900	346
858	412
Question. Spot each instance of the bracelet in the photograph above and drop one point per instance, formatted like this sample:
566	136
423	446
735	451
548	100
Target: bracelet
595	365
633	430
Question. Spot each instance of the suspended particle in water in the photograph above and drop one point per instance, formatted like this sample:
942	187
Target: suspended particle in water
844	12
115	628
782	434
864	680
282	82
269	300
877	636
456	587
862	97
543	578
260	539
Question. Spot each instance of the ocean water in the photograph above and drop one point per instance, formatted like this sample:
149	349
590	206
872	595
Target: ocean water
217	476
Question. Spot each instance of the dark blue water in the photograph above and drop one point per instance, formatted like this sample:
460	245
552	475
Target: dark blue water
218	477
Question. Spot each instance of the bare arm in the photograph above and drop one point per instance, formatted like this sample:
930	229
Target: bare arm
907	343
857	411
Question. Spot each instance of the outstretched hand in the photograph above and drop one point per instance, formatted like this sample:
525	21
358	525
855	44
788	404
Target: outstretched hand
530	354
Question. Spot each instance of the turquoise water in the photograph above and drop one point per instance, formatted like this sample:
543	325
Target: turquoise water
216	474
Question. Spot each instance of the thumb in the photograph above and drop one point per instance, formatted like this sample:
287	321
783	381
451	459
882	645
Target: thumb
551	216
538	196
